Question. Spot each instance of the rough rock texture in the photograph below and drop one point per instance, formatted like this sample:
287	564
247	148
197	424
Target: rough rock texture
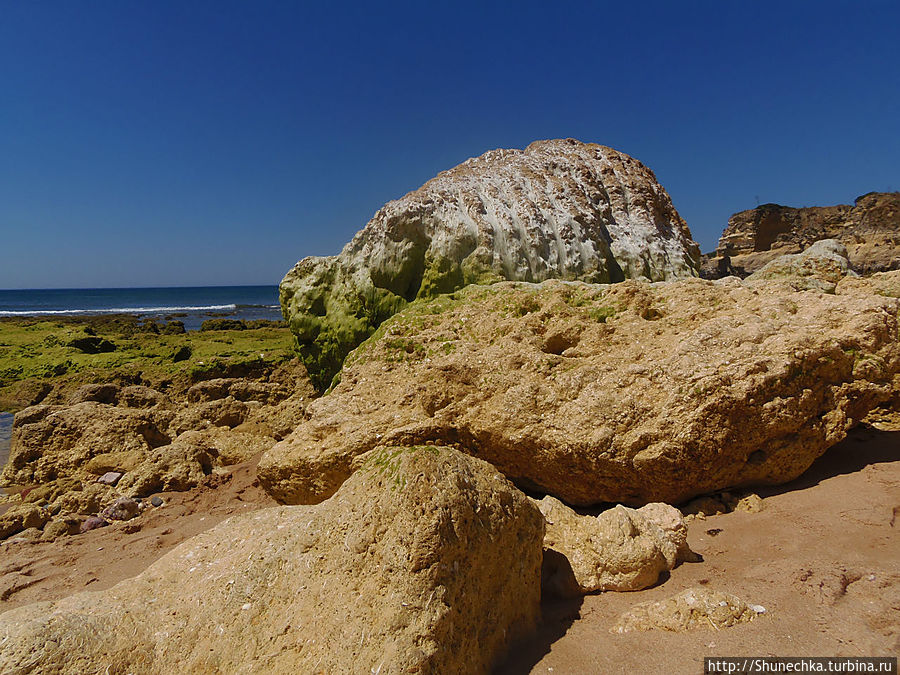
22	517
818	268
870	229
626	393
621	549
426	561
693	608
53	441
559	209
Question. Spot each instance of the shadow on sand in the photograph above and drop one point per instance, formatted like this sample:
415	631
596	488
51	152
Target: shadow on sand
864	445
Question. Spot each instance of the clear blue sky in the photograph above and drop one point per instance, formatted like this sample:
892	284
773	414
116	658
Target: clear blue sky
194	143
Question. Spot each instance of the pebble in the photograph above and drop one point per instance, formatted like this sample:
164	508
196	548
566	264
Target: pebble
156	501
109	478
92	523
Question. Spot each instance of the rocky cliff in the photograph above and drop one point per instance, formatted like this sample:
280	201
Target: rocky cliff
870	229
559	209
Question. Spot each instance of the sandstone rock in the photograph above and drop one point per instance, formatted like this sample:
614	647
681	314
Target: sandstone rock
179	466
558	209
870	230
226	412
880	283
138	396
671	522
54	441
116	462
99	393
818	268
425	561
86	501
690	609
619	550
647	392
22	517
61	526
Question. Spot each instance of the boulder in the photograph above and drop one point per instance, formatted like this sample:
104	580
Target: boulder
559	209
621	549
56	441
694	608
818	268
425	561
870	229
22	517
629	393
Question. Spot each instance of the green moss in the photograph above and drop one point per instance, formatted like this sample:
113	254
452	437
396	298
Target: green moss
38	350
601	314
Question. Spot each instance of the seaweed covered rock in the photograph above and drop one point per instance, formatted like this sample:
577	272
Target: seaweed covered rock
559	209
426	561
628	393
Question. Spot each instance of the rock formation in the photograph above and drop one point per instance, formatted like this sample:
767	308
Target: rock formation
621	549
818	268
630	393
870	229
425	561
559	209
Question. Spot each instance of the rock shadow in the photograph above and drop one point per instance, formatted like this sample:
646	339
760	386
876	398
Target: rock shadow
865	445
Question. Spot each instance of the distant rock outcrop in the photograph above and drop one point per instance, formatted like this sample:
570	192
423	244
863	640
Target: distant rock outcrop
870	230
629	392
559	209
427	561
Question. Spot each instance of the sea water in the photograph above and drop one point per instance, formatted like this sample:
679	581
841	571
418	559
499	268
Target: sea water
6	421
192	305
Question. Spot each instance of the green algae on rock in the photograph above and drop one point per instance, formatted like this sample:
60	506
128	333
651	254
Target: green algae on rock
560	209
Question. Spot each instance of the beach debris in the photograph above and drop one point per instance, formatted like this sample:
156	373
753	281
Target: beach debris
109	478
690	609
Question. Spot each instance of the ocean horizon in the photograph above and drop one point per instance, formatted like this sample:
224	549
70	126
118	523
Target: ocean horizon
190	304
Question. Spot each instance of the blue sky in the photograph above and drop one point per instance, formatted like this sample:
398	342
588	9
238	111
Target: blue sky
194	143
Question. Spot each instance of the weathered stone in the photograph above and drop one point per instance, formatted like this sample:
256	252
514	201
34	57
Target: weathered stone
124	508
179	466
110	478
93	523
22	517
619	550
99	393
818	268
870	230
115	462
657	393
425	561
61	526
56	441
559	209
690	609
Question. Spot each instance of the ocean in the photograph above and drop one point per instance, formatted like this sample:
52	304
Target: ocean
6	421
192	305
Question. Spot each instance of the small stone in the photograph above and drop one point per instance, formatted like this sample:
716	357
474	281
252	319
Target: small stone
110	478
156	501
92	523
124	508
759	609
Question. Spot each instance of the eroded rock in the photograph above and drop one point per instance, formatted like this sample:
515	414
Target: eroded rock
559	209
818	268
425	561
694	608
629	393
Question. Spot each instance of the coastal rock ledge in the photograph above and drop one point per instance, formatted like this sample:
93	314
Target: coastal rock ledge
560	209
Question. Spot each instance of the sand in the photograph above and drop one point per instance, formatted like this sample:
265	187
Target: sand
823	558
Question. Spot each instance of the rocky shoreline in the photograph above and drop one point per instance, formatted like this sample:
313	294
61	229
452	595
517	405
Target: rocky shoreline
467	477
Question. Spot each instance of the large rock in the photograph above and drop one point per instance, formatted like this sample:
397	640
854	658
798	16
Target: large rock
54	441
559	209
870	229
426	561
818	268
628	393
